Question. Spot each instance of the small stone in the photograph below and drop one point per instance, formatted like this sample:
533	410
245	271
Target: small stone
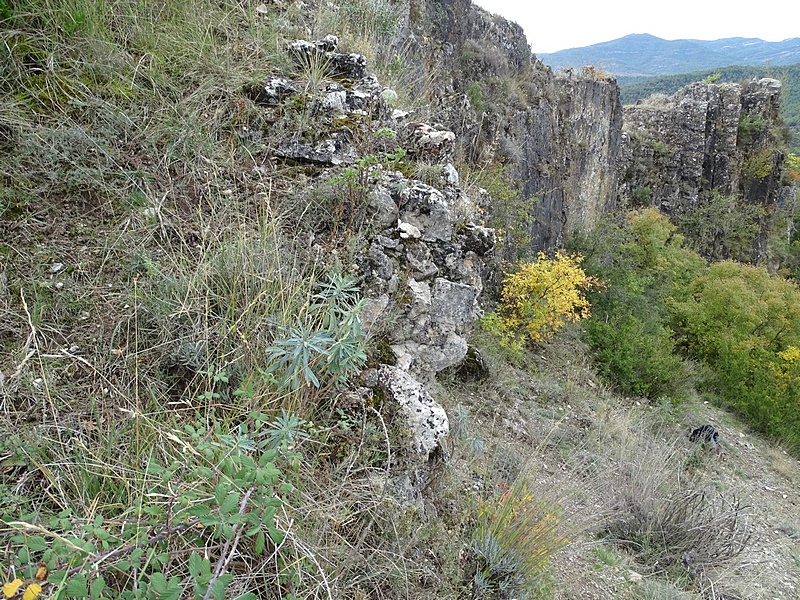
407	230
55	267
450	174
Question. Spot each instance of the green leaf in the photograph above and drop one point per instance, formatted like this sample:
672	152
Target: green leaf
98	585
77	587
230	504
158	582
220	585
173	589
261	540
37	543
267	457
220	492
195	563
153	468
276	536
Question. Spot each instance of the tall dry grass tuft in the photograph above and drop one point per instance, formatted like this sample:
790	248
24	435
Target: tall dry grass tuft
514	539
664	516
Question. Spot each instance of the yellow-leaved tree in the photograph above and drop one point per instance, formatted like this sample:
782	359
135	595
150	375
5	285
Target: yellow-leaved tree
539	298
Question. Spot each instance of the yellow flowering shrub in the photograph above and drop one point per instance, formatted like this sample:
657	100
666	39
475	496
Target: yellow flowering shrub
539	298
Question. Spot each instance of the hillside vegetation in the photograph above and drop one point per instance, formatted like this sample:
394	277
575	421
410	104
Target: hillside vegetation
647	55
189	393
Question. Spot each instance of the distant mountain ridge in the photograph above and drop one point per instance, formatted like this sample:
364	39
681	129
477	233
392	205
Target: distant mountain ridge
639	55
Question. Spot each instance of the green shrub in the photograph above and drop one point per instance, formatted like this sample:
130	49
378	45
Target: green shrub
640	262
511	210
759	165
752	125
201	486
326	347
743	323
722	227
637	356
475	95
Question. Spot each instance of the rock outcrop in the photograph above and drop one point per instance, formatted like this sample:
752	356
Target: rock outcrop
706	138
426	249
559	134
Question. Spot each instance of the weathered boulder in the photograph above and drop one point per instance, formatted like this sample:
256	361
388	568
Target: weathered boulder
427	420
320	55
331	151
273	91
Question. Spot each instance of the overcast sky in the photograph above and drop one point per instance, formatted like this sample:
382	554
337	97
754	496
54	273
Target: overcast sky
558	24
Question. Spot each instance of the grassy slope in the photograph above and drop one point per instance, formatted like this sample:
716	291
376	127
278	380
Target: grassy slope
603	455
146	262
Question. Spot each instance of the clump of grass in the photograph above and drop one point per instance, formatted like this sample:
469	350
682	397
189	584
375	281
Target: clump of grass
515	536
153	280
666	522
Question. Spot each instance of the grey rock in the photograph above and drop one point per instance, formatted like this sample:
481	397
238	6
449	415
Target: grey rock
273	91
333	151
408	231
373	310
383	211
450	174
679	149
426	208
317	54
430	143
426	419
381	264
480	240
421	261
453	304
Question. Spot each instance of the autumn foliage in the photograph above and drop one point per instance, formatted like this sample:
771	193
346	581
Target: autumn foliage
539	298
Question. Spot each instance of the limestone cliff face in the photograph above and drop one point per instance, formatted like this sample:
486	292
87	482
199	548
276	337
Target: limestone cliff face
563	135
560	133
706	138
